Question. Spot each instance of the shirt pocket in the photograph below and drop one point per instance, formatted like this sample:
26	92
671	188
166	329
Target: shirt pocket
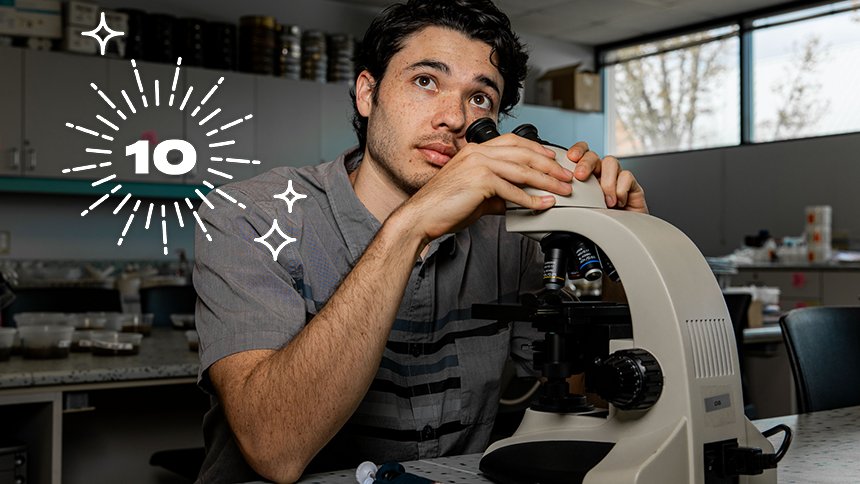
481	361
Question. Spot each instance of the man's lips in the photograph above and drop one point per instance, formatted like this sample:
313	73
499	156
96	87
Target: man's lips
438	153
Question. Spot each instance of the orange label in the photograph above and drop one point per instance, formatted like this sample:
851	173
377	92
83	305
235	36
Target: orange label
811	218
816	237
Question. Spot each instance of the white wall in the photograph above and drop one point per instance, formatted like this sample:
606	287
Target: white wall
717	196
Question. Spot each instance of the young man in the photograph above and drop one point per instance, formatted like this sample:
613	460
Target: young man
357	342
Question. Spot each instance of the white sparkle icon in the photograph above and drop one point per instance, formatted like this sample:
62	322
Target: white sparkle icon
102	25
288	240
290	201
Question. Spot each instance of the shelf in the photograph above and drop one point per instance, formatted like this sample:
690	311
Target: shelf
84	187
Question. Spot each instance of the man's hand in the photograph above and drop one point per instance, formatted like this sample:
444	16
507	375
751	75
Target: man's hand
621	188
478	181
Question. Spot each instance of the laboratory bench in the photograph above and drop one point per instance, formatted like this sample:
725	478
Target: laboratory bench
102	416
824	450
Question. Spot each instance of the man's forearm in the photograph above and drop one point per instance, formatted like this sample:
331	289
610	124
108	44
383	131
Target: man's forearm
292	402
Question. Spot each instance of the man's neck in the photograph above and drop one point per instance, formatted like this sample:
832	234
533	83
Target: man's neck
375	190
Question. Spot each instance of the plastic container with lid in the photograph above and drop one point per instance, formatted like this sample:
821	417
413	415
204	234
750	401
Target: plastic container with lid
182	321
131	323
193	340
82	341
96	321
46	341
42	318
111	343
7	339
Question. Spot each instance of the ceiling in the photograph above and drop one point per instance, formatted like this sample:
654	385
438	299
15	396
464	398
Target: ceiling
593	22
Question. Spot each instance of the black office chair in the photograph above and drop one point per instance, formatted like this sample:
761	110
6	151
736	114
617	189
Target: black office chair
823	344
162	301
62	299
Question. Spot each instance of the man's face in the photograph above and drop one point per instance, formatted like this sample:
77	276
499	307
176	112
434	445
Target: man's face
433	89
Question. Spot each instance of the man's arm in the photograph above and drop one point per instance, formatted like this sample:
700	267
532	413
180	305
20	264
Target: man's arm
284	406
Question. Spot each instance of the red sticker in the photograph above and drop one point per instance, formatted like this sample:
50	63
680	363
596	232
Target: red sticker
150	136
798	279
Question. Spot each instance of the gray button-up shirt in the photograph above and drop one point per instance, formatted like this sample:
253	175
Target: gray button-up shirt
437	388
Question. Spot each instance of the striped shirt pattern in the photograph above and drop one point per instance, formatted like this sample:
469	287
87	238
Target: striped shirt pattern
436	391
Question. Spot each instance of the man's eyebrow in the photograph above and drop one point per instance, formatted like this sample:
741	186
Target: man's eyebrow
432	64
486	81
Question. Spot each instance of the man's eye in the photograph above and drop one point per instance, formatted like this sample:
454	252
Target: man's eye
425	82
482	101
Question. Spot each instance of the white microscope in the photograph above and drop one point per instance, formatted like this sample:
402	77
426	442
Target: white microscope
666	362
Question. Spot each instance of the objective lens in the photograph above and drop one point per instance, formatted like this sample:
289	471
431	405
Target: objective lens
555	262
585	260
608	267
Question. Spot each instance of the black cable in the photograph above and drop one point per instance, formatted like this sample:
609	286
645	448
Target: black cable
786	442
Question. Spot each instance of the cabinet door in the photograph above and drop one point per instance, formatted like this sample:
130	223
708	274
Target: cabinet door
288	122
156	122
58	91
840	288
234	101
337	134
10	111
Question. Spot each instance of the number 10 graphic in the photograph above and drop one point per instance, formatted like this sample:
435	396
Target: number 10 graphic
140	150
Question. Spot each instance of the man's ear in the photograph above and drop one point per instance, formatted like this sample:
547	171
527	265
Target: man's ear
364	87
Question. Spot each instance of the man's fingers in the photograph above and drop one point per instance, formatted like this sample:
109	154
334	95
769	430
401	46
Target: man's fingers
576	152
527	157
522	174
609	168
516	195
588	164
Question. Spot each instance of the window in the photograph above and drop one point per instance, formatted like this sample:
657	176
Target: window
675	95
805	73
689	92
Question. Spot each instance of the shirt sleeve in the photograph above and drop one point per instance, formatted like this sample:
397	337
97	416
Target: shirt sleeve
524	333
247	300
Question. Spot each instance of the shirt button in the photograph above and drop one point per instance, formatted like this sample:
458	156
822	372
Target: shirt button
428	431
416	351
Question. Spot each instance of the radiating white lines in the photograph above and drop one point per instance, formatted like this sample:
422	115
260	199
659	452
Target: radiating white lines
79	168
163	230
105	121
187	95
228	125
98	151
175	79
137	205
89	131
107	100
105	179
188	202
127	225
223	143
200	222
139	84
149	216
93	206
179	212
197	190
121	204
229	177
116	188
156	93
216	158
206	98
207	118
128	101
102	165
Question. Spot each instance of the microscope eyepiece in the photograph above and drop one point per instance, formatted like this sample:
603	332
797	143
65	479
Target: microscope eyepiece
527	131
481	130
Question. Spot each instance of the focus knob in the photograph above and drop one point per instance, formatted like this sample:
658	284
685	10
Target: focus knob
629	379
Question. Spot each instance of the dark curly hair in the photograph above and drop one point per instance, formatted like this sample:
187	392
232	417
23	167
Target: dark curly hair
476	19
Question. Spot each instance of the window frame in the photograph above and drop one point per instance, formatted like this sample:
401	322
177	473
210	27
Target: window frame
744	22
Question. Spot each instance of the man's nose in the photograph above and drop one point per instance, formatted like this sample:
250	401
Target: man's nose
450	114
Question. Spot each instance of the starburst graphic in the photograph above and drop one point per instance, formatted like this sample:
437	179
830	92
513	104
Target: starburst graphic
287	240
95	33
140	150
290	201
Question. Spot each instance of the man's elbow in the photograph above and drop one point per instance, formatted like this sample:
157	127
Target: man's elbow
278	468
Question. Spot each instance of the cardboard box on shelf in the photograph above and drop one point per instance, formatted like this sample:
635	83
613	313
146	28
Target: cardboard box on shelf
31	18
569	88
